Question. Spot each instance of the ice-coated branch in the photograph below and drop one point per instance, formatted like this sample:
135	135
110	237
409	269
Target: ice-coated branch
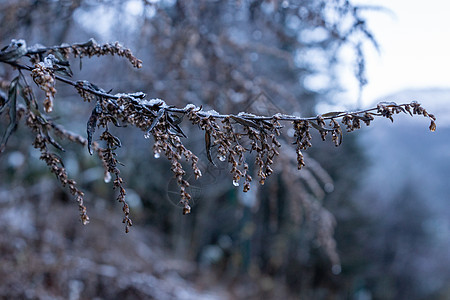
228	133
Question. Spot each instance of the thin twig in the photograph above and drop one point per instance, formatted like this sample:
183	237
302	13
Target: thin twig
280	117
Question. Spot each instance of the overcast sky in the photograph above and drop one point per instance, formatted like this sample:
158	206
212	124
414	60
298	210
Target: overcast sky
415	47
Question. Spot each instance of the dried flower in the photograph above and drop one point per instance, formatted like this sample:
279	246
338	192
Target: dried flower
45	79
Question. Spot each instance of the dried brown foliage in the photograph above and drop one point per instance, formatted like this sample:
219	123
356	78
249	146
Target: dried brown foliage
233	135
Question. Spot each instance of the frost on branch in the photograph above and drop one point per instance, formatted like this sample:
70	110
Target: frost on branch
234	136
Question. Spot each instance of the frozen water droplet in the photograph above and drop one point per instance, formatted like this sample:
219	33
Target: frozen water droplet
222	158
147	135
291	132
336	269
107	177
235	183
329	187
157	155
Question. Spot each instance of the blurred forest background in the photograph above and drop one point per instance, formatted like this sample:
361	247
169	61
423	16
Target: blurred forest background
363	221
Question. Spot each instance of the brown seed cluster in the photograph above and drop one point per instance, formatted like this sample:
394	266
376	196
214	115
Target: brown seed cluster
82	89
92	48
88	49
303	138
110	160
230	137
54	162
227	141
45	79
264	142
171	146
230	147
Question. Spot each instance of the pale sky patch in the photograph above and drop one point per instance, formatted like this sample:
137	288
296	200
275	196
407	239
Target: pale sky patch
415	48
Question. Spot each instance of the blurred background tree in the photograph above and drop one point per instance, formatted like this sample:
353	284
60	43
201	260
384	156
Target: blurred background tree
275	241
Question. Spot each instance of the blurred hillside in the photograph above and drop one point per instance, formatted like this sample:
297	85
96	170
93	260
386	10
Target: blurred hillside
407	152
404	198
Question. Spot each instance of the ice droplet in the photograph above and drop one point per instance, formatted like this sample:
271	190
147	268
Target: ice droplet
329	187
222	158
157	155
336	269
107	177
235	183
148	135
